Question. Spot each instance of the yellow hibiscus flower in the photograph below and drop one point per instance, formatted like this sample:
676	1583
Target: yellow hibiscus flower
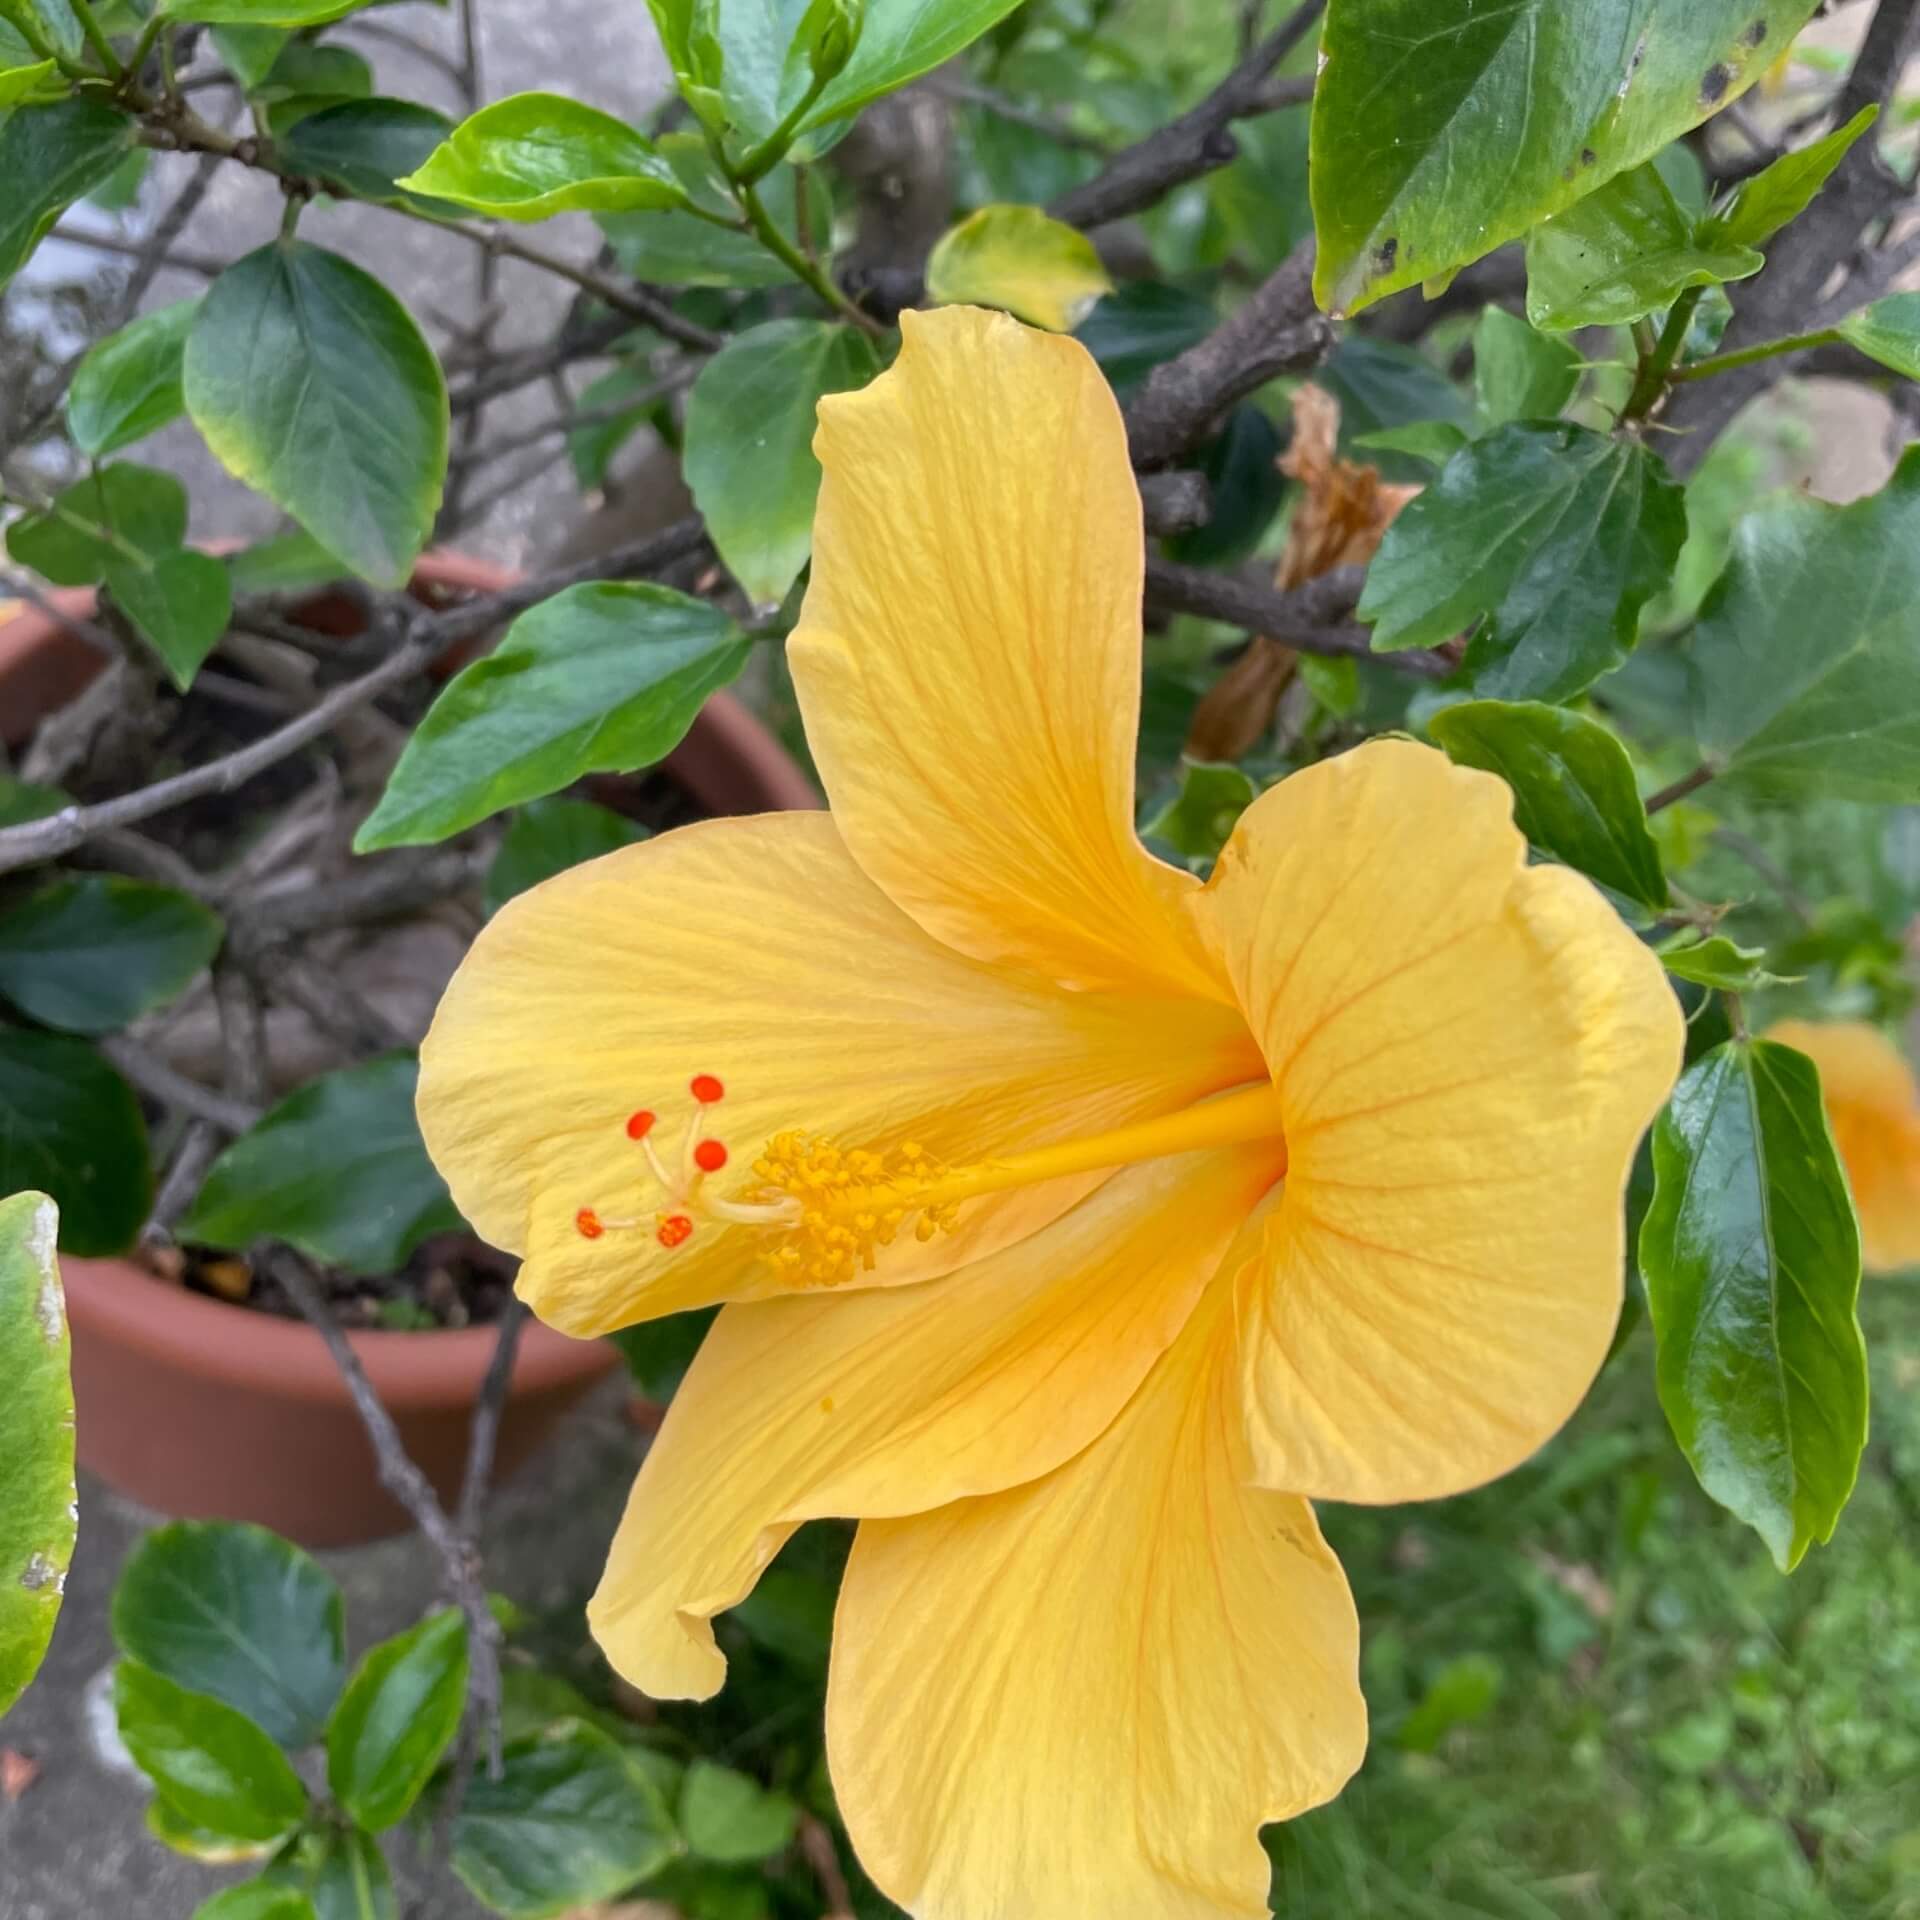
1079	1223
1873	1107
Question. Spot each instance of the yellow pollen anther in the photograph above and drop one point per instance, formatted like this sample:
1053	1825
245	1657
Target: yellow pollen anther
840	1206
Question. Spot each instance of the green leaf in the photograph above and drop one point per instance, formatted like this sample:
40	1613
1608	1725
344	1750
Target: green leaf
1244	482
174	1830
208	1760
1141	326
72	1128
22	800
1888	331
749	443
311	382
1041	270
1557	536
340	1871
337	1169
1782	192
260	13
571	1820
35	78
729	1817
92	952
51	156
602	678
1380	384
129	385
1518	373
122	512
1622	252
1195	823
256	1900
1715	961
549	836
38	1510
285	563
365	146
1464	1690
307	76
1573	790
181	603
591	448
236	1612
539	154
249	52
1500	116
1805	664
1434	441
1751	1256
401	1708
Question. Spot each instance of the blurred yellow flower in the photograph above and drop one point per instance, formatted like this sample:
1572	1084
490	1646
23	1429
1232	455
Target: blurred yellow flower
1873	1107
1080	1224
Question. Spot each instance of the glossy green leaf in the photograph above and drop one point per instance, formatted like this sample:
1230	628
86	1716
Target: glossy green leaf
1783	191
1751	1257
749	443
124	512
307	76
1805	664
128	386
365	146
176	1832
1553	537
571	1820
603	678
260	13
1196	821
1573	789
92	952
1715	961
1443	128
1888	331
762	58
284	563
340	1871
538	154
255	1900
236	1612
1381	384
210	1761
337	1169
311	382
1621	253
249	52
72	1128
24	800
51	156
39	1514
1520	373
400	1710
1039	269
728	1816
549	836
35	78
180	602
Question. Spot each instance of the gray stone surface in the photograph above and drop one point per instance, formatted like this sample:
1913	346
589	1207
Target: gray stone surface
75	1845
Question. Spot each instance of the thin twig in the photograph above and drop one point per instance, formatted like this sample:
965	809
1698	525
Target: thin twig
199	1144
971	93
484	1431
14	586
1679	789
204	264
173	1089
1194	144
377	888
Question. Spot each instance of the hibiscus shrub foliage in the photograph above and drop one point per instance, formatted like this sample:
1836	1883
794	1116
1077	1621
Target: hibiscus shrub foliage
1373	455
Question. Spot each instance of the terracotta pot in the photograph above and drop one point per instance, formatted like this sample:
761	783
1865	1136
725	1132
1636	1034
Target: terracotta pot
199	1408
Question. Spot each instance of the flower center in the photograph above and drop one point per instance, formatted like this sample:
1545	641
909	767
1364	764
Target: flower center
833	1208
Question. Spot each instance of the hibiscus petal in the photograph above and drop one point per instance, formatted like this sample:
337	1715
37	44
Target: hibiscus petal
1467	1051
968	658
1085	1696
893	1401
1874	1110
756	952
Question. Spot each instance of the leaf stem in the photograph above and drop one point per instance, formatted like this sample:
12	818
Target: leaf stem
1656	368
1766	350
809	272
1686	784
761	160
97	39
